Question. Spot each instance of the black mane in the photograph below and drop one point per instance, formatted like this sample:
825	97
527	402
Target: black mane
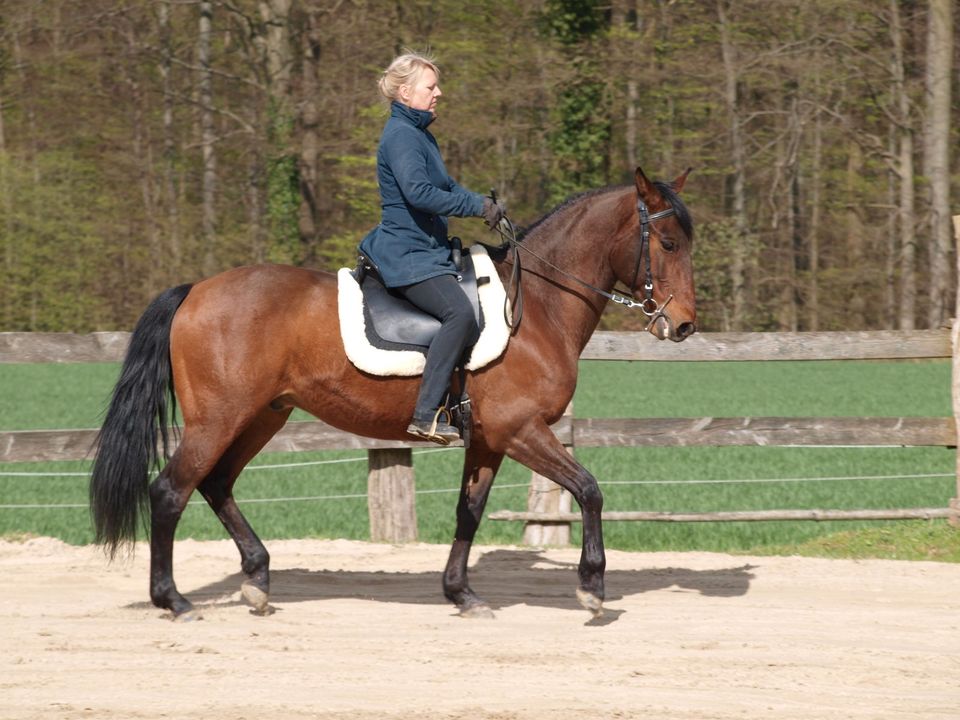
666	190
523	232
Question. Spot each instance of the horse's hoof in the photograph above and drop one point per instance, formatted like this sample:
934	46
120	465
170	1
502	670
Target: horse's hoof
480	611
256	597
591	602
191	615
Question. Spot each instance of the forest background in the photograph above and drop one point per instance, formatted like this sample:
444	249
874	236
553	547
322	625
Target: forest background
148	143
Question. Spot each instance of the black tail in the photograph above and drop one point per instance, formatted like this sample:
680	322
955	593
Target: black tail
143	402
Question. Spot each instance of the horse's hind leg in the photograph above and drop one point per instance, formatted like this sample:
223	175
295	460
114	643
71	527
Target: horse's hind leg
480	466
201	450
169	493
217	489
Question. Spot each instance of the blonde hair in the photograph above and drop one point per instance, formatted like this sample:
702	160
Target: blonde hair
404	70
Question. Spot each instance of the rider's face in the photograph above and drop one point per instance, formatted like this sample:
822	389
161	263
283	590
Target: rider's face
424	93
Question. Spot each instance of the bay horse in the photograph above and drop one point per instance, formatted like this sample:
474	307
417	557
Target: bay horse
241	349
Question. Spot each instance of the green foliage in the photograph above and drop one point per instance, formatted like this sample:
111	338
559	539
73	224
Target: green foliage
358	191
580	136
580	140
571	22
56	260
932	540
102	148
283	189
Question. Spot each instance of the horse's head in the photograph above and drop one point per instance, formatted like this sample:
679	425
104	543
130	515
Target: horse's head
658	268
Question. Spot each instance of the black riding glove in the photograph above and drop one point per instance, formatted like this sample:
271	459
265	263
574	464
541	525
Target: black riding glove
492	213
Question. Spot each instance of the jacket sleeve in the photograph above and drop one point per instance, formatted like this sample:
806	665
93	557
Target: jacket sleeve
408	161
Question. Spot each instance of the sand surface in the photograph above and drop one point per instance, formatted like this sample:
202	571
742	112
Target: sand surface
362	631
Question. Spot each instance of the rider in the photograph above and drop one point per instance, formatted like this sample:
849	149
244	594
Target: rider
409	247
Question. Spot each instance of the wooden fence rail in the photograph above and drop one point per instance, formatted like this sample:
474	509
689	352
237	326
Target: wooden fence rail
391	465
17	347
56	445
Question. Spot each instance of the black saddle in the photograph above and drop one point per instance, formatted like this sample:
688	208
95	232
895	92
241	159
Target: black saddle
394	323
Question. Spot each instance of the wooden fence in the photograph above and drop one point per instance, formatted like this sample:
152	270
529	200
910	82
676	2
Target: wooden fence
390	485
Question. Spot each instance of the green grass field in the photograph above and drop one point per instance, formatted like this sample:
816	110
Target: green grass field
324	494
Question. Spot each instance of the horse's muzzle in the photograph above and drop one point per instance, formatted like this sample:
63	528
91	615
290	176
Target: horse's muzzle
663	329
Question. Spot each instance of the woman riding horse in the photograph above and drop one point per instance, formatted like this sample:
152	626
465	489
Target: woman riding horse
240	350
409	248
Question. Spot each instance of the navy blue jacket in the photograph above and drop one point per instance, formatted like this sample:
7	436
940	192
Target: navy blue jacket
416	196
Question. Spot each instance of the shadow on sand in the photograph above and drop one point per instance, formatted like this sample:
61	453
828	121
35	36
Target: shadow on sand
502	577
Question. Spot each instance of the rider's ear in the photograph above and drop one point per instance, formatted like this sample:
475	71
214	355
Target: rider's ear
678	184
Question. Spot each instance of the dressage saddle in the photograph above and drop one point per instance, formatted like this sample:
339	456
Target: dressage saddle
393	322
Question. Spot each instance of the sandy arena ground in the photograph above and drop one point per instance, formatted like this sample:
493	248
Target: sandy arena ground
362	631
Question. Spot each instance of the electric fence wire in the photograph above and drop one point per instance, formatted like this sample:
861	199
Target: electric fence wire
435	491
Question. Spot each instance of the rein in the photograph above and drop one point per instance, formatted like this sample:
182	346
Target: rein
648	306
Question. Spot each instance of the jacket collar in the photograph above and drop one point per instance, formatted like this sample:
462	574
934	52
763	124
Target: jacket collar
418	118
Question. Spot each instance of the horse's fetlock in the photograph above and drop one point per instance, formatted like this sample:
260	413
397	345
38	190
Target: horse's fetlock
258	560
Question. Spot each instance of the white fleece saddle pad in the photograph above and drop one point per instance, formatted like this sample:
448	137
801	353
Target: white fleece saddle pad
368	354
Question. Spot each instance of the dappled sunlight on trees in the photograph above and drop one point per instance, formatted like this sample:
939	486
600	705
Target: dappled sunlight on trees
147	143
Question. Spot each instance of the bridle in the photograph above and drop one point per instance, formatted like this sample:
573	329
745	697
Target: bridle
648	305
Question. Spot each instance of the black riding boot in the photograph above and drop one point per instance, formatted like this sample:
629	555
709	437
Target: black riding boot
442	297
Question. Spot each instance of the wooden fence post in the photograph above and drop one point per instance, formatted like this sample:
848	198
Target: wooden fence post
391	499
547	497
955	341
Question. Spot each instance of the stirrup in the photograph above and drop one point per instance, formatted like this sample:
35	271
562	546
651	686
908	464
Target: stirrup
442	433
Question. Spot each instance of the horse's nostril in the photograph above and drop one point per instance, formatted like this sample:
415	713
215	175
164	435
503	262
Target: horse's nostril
685	330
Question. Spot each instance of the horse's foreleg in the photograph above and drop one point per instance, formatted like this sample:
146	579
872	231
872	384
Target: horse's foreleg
539	449
479	469
217	490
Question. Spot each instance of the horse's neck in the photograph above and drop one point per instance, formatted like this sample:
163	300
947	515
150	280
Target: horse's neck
578	241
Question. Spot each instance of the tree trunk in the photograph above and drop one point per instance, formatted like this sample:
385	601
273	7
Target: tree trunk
855	239
207	140
174	250
6	292
936	157
143	155
310	139
906	200
276	16
816	214
741	250
28	101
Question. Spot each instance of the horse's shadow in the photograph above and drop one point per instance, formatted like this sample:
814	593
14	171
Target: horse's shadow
502	577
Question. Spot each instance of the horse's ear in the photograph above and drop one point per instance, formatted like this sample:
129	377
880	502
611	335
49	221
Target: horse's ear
678	184
645	188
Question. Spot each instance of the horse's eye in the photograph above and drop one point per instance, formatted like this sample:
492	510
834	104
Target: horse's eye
667	244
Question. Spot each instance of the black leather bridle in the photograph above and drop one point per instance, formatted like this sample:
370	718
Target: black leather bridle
648	305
